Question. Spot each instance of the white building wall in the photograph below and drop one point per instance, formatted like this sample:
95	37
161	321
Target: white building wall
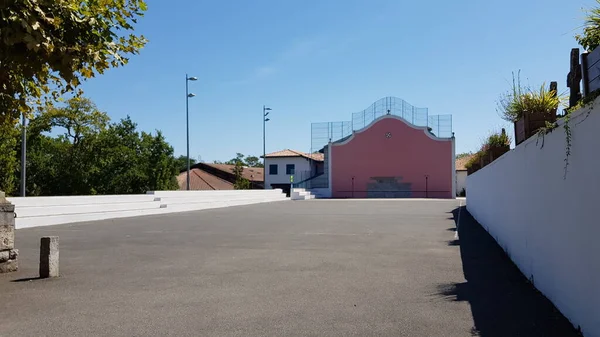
461	181
302	165
549	224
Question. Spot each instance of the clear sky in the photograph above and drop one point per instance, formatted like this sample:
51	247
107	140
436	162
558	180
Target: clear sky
322	60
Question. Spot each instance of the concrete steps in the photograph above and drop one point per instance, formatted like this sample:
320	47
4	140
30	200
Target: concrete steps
301	194
45	211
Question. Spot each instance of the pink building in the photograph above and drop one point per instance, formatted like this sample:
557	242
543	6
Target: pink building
385	153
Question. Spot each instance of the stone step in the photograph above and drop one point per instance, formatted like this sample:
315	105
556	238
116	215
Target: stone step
45	210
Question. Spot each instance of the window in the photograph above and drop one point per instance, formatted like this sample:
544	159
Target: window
289	169
273	169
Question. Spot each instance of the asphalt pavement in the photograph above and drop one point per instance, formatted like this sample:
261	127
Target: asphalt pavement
304	268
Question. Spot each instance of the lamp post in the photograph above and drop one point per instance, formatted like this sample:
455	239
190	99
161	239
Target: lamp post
23	156
188	95
265	120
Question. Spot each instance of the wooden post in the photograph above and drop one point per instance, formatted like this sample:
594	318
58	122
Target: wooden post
584	74
554	88
574	78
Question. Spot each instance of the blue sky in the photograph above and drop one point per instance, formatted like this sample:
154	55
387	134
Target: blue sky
322	60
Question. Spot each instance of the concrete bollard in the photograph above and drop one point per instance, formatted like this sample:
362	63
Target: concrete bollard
49	256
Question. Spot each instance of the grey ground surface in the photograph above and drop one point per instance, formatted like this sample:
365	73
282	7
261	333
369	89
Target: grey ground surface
307	268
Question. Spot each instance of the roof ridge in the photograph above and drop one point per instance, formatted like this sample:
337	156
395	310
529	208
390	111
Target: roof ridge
214	176
199	176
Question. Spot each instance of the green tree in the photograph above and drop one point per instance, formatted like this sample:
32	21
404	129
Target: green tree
129	162
241	183
182	163
462	155
8	158
253	161
250	161
60	165
160	164
239	158
48	47
92	157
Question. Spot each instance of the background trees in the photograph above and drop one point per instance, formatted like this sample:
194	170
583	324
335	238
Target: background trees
47	48
240	158
89	155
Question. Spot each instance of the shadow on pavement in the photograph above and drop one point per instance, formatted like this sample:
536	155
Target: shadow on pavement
503	302
27	279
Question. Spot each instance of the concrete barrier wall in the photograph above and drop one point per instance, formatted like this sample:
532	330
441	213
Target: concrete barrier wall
549	224
45	211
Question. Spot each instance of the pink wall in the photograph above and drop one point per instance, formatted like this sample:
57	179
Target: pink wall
409	153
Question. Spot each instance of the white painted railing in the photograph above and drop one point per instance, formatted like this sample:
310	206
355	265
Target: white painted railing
547	224
45	211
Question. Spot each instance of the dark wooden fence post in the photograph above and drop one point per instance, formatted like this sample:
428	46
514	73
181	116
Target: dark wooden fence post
574	78
584	74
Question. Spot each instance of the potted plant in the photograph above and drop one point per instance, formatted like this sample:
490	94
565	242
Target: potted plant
497	145
484	155
528	109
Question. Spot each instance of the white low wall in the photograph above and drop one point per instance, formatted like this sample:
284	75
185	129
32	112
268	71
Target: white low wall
549	225
45	211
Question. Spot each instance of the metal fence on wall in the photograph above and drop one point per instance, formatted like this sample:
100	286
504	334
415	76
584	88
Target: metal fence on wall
323	133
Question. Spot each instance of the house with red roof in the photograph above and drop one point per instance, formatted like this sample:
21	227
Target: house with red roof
283	166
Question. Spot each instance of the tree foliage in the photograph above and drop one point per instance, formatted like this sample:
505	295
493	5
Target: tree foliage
8	158
241	183
249	161
253	161
590	38
47	48
91	156
182	163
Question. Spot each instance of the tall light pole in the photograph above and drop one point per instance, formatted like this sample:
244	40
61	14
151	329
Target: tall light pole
265	120
188	95
23	156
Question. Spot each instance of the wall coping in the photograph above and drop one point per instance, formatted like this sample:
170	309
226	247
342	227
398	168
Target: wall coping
377	120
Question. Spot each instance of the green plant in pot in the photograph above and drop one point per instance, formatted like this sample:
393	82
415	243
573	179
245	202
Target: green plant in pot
484	155
497	145
529	109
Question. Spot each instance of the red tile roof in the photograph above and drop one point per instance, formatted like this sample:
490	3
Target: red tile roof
460	163
202	181
293	153
250	173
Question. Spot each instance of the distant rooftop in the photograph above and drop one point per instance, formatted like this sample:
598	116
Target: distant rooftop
293	153
460	163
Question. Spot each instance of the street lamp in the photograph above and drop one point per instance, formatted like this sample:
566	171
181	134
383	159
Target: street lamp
265	120
188	95
24	156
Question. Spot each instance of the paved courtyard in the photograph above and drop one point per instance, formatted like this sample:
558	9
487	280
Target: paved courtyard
308	268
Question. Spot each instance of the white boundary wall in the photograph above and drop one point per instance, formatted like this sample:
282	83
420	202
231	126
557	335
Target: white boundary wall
46	211
549	225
